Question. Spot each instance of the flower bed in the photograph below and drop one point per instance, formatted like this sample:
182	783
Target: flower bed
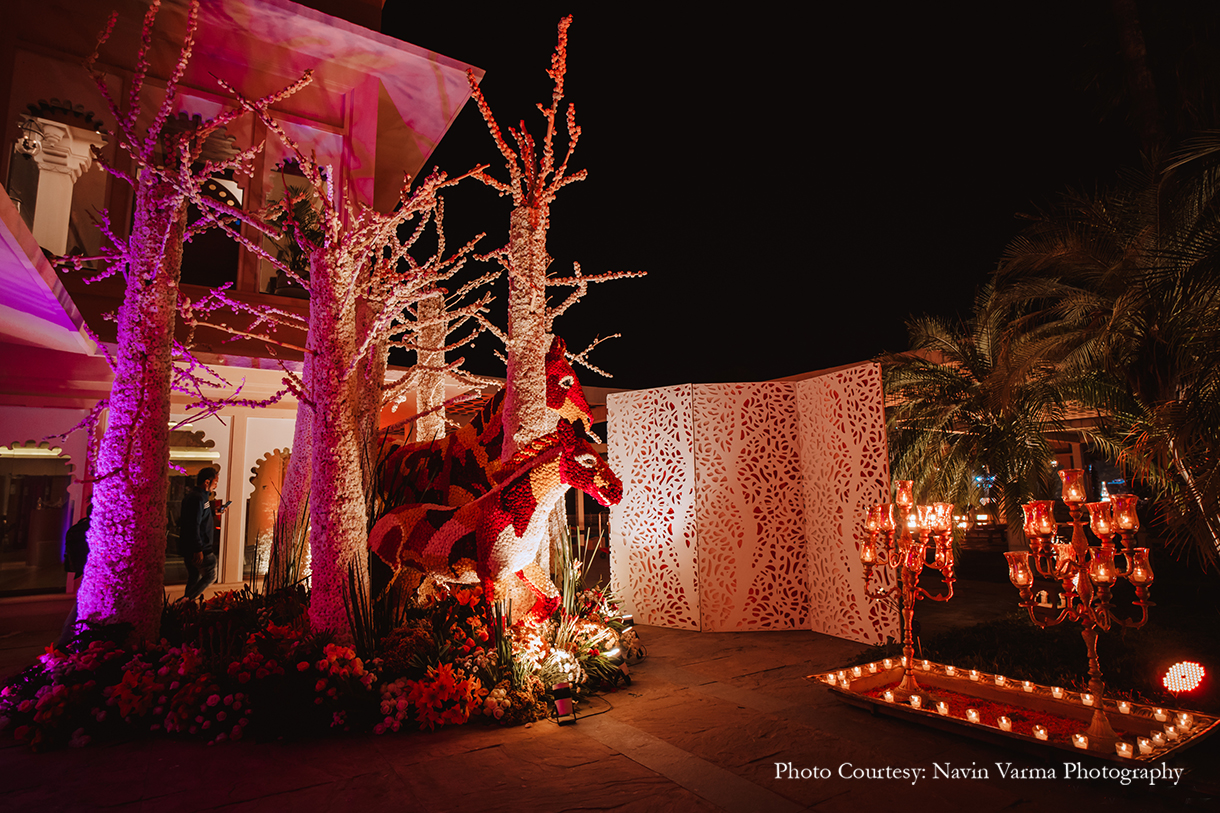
245	664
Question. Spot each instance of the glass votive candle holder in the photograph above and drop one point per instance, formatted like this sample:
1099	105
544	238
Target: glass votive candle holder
872	667
903	660
1124	707
1057	693
972	715
889	696
1159	715
1158	739
950	670
1171	732
974	674
842	675
845	683
1000	680
1040	732
1123	749
1027	686
942	709
856	671
1086	699
1185	721
1080	741
916	701
887	664
1004	723
1145	745
926	665
831	679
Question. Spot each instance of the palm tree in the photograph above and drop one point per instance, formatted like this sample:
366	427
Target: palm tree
965	401
1121	292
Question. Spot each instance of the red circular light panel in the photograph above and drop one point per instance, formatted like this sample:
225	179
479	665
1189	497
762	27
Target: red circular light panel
1184	676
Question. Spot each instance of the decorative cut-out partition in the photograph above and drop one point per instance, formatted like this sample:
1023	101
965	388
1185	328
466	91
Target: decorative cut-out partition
742	503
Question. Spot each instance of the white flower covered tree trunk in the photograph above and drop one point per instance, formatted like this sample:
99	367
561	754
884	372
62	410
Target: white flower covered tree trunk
337	520
526	416
124	576
430	370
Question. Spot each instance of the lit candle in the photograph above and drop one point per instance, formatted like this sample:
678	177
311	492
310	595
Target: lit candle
916	701
856	671
1004	723
1185	721
1101	518
999	680
831	679
904	661
905	496
1145	745
1027	686
1141	568
1124	707
926	666
972	715
1158	739
887	663
1073	485
1040	732
1080	741
950	671
1086	699
872	667
845	683
942	709
1044	517
1057	693
889	696
1171	732
842	675
1125	516
1018	568
1123	749
974	674
1160	715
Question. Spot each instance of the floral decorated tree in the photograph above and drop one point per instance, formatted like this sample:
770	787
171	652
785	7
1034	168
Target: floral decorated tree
362	275
534	180
124	576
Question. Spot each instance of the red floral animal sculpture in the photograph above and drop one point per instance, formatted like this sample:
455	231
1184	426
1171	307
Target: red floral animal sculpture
461	466
497	535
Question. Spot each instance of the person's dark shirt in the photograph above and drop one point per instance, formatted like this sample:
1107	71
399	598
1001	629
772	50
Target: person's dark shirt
76	547
197	524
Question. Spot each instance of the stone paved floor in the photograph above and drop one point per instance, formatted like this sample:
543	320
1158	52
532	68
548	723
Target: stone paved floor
702	728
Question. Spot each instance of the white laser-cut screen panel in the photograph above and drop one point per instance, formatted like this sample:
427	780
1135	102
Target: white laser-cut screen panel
844	459
749	503
653	534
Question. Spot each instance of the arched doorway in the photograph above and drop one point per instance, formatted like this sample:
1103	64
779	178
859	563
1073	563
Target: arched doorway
267	478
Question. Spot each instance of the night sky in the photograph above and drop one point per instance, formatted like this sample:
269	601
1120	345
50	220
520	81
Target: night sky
795	186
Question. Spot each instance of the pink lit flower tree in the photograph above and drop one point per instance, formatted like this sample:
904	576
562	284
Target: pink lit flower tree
534	180
123	580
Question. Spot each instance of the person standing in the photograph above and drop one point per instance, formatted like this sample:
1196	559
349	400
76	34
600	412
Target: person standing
197	532
76	554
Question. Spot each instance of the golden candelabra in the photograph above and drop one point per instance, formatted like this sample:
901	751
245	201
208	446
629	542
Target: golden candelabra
1086	572
890	542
